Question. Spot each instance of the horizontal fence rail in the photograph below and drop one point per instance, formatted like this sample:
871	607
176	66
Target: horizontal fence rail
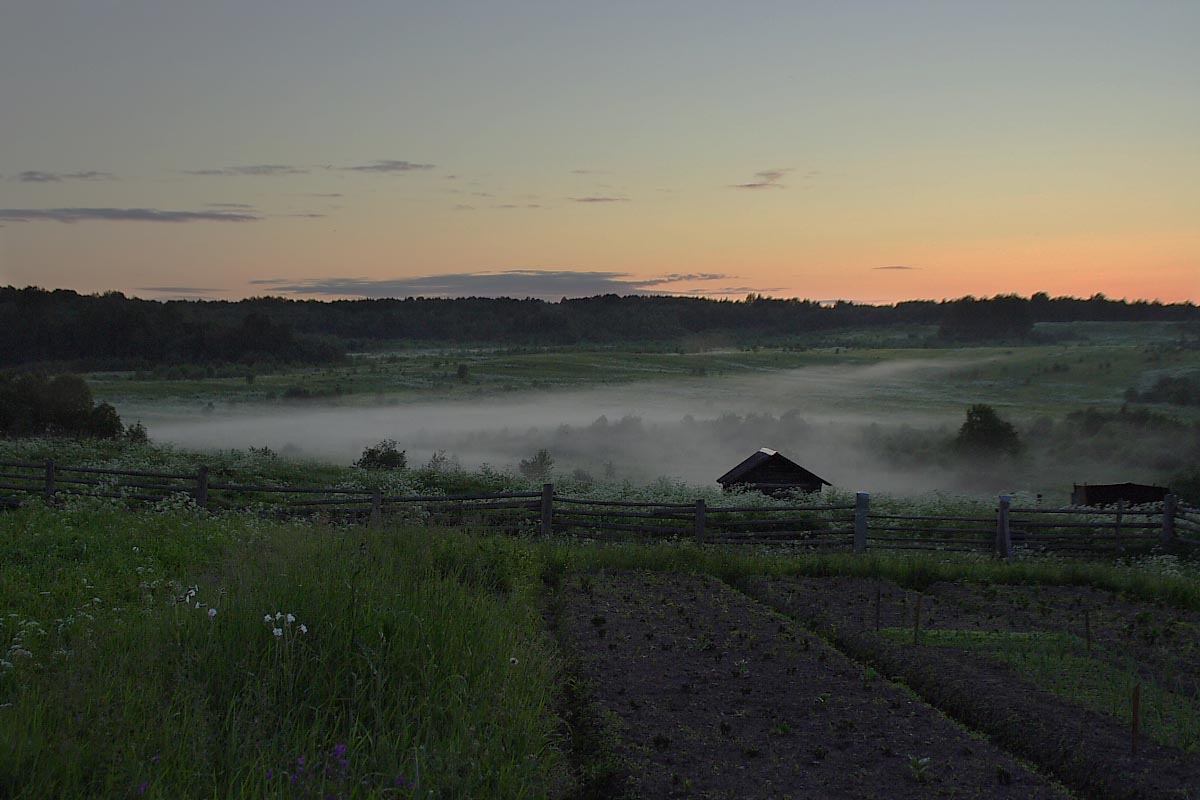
1109	530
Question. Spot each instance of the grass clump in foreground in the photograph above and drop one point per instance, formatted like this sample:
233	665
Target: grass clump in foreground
1057	663
174	654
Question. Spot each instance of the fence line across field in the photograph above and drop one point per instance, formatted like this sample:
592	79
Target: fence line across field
806	525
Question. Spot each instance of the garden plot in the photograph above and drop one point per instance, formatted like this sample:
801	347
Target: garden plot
717	696
1016	663
1159	643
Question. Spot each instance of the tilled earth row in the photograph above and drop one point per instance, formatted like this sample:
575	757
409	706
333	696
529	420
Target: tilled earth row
1087	751
719	697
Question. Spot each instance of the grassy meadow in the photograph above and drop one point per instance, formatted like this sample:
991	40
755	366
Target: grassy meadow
865	413
1081	363
167	651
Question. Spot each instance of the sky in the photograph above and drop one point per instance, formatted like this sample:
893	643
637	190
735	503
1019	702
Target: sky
865	151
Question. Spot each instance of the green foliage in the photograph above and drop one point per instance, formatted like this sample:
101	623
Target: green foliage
136	434
984	433
539	467
32	404
1003	318
384	455
1182	390
110	330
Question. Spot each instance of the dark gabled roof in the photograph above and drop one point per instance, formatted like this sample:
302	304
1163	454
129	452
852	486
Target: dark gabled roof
761	457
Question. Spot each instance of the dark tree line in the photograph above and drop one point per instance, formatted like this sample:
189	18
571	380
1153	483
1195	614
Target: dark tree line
111	330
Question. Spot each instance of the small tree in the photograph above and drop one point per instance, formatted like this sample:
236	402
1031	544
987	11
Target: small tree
383	456
105	422
538	467
984	433
136	433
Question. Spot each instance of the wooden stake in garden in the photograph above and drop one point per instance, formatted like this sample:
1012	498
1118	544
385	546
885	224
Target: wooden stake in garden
917	622
1137	710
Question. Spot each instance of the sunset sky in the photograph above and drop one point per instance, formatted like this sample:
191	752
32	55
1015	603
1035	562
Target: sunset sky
868	151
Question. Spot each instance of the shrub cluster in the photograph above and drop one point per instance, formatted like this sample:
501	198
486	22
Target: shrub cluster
33	404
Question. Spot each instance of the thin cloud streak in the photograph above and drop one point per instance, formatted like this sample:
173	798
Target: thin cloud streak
387	167
254	170
676	277
176	290
39	176
542	284
70	215
767	179
599	199
896	266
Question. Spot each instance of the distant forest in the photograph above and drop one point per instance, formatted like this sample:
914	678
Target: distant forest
112	331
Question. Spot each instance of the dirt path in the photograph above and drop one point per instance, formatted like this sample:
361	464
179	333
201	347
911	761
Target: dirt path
718	697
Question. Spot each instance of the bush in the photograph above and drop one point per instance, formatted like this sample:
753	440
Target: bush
383	456
984	433
32	405
538	467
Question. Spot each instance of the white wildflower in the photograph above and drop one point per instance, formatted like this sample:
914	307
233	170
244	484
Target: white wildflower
278	632
267	618
512	662
278	615
303	628
290	618
212	612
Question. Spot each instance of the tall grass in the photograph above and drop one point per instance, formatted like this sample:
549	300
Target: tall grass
177	655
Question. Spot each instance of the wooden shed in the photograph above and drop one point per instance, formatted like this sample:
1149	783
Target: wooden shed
1109	494
773	474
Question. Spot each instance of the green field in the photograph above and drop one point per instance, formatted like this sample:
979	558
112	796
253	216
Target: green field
1093	364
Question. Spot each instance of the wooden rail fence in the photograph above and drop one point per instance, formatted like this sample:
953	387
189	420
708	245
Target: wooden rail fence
817	526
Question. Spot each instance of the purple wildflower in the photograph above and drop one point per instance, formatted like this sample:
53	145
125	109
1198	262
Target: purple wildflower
142	789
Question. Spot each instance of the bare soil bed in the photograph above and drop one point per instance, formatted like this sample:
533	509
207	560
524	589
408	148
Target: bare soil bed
1090	752
716	696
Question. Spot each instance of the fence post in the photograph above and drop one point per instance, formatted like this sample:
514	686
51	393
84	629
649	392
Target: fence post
1003	533
51	487
201	492
1170	502
376	508
547	509
862	504
700	514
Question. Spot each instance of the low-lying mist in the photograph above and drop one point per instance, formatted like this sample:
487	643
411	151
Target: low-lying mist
858	428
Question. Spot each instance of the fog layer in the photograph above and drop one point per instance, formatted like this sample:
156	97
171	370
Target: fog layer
861	428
